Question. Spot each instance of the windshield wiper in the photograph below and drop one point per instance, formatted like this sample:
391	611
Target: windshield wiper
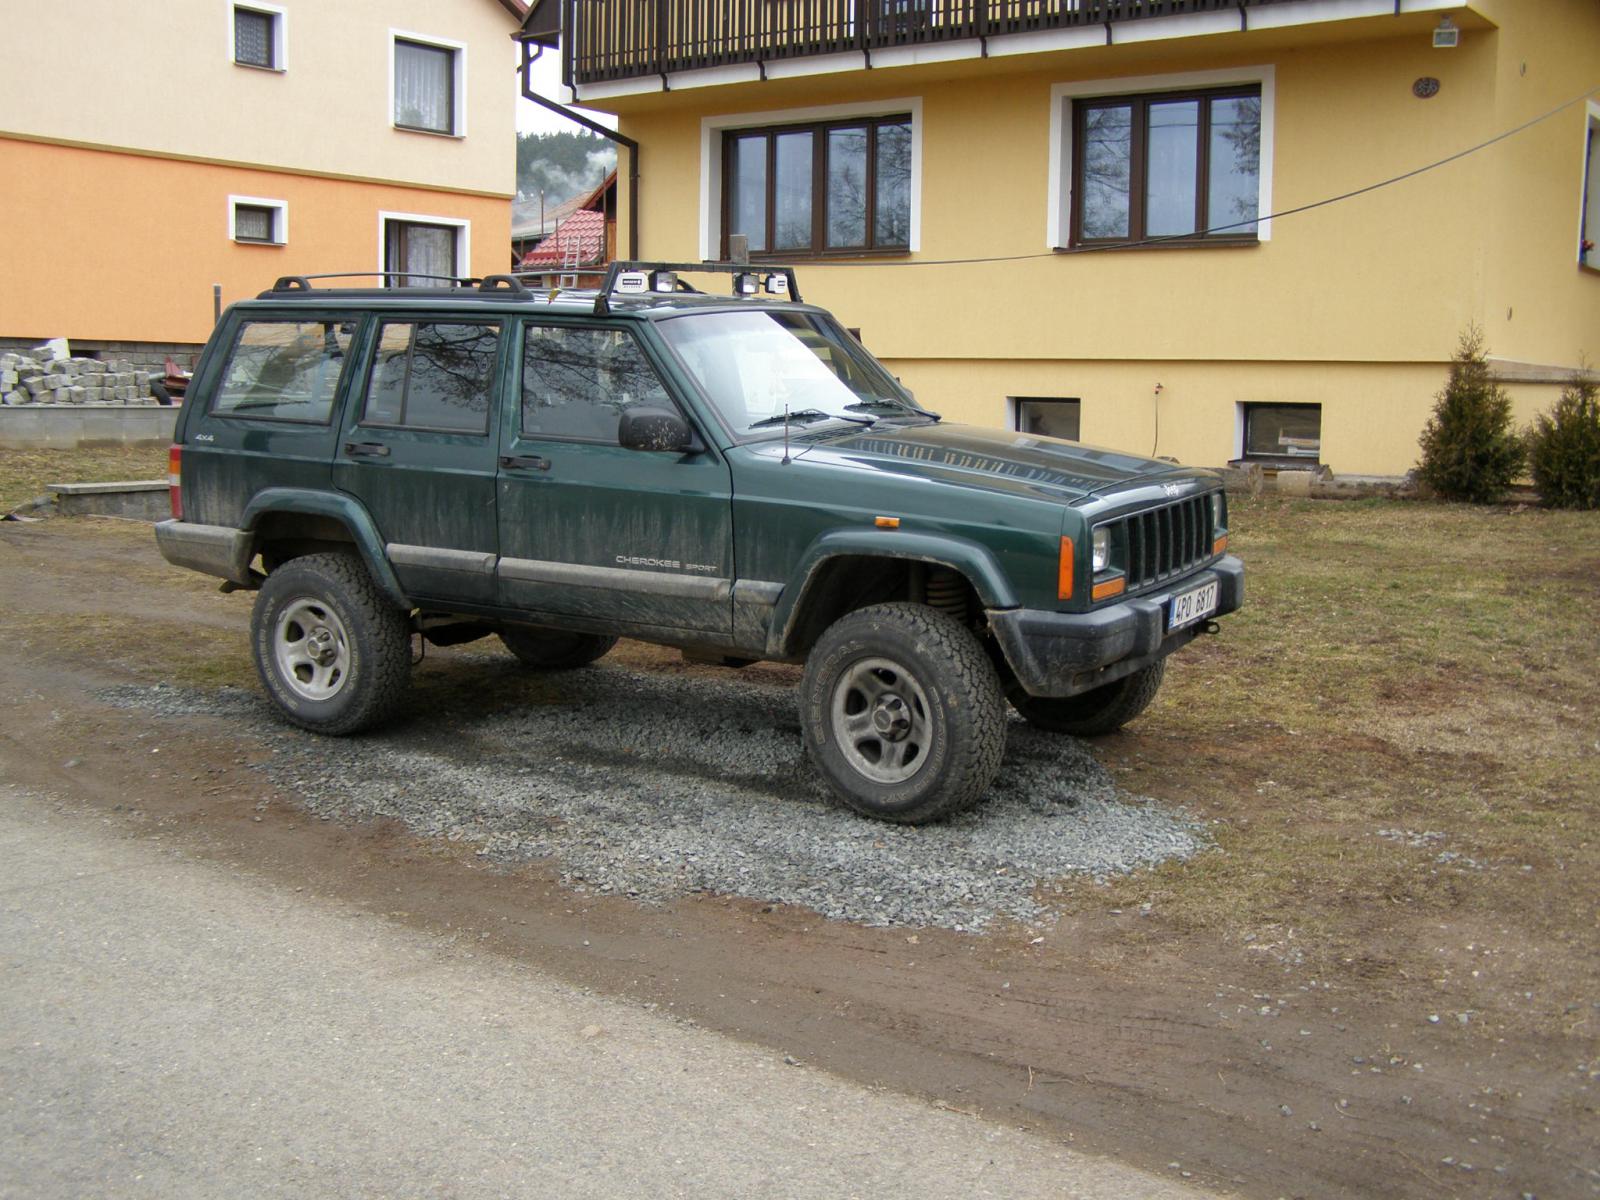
891	407
804	416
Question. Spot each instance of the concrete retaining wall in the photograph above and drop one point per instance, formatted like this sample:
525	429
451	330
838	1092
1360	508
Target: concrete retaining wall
143	500
67	426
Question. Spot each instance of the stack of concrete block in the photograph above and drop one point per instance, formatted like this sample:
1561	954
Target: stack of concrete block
45	380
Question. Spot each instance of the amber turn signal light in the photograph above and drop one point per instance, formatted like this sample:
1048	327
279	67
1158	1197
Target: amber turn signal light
1064	572
886	522
1111	587
1221	544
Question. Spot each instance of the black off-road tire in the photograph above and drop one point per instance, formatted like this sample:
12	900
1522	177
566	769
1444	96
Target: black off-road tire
555	649
1103	710
922	660
327	604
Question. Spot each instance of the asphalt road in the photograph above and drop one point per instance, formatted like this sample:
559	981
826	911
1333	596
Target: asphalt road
175	1027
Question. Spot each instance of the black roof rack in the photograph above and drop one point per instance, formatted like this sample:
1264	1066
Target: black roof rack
488	284
602	301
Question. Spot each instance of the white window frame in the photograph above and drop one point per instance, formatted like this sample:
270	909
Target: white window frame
1589	187
463	238
280	220
458	78
1058	218
712	129
280	36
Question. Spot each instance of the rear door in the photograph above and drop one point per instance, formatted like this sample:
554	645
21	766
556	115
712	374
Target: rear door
629	538
418	450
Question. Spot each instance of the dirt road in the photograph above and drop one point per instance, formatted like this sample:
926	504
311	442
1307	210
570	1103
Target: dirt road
1235	1071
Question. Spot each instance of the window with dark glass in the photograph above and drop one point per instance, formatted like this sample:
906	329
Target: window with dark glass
1174	165
432	375
424	87
1283	432
577	382
831	188
255	38
255	223
284	370
417	254
1048	417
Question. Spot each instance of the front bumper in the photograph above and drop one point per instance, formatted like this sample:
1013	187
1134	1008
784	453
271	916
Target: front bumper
1063	654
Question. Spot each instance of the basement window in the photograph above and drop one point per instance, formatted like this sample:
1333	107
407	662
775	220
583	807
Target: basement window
1284	434
1043	417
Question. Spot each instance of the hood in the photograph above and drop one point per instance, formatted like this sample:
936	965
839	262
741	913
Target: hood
996	459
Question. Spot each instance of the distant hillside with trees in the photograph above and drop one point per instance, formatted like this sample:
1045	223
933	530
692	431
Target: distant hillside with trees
563	165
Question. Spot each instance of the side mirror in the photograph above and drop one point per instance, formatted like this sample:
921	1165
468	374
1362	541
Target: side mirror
646	427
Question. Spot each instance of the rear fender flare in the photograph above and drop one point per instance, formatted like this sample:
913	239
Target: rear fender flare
349	513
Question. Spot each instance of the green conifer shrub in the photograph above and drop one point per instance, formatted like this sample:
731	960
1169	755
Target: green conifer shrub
1469	449
1564	447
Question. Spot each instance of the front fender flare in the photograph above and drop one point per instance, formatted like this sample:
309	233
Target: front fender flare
348	512
970	559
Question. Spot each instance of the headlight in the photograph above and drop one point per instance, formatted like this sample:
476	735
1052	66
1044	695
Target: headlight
1102	549
1218	515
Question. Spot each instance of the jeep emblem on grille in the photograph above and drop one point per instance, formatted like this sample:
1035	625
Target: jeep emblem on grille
1171	489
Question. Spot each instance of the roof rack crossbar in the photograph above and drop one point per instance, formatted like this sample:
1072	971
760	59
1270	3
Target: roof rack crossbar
602	301
302	283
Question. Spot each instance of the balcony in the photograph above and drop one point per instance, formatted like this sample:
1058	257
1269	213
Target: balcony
608	41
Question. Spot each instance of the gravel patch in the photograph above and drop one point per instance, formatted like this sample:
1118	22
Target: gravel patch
654	784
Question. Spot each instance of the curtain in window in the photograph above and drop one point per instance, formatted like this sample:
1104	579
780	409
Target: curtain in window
420	250
424	87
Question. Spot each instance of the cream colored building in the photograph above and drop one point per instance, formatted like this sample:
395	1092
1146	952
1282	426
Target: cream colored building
151	151
1114	169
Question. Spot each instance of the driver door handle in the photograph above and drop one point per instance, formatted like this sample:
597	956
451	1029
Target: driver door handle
366	450
536	461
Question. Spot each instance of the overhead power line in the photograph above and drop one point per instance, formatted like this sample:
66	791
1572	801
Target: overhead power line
1287	212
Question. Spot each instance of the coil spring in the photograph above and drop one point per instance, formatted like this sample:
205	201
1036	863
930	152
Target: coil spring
947	592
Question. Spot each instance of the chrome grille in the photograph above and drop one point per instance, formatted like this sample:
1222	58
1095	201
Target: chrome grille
1164	543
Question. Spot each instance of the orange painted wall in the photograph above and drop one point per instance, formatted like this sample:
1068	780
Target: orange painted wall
102	245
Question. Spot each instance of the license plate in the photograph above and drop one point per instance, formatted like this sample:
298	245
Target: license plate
1191	606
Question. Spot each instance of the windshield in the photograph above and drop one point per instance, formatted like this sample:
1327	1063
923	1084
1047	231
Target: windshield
754	365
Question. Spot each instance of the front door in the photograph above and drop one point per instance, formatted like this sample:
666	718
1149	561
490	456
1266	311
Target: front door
628	538
419	452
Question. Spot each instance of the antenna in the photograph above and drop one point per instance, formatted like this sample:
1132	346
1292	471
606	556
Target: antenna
786	435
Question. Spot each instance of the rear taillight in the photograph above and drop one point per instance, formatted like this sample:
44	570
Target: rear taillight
175	480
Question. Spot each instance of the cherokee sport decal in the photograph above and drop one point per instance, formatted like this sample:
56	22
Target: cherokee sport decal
666	564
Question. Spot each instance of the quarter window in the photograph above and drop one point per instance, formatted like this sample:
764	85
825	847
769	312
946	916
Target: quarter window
284	370
433	375
1172	165
1285	433
425	86
835	188
576	382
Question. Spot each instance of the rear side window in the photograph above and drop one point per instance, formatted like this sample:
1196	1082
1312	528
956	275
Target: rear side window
284	370
433	375
576	382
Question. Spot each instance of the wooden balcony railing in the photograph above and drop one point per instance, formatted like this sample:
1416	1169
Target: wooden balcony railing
628	39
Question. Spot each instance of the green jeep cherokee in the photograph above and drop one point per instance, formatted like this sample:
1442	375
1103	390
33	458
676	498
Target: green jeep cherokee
733	475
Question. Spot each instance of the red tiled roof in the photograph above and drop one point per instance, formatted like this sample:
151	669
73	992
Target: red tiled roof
585	227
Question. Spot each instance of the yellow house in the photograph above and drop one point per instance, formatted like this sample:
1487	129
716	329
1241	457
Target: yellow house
1145	224
150	152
